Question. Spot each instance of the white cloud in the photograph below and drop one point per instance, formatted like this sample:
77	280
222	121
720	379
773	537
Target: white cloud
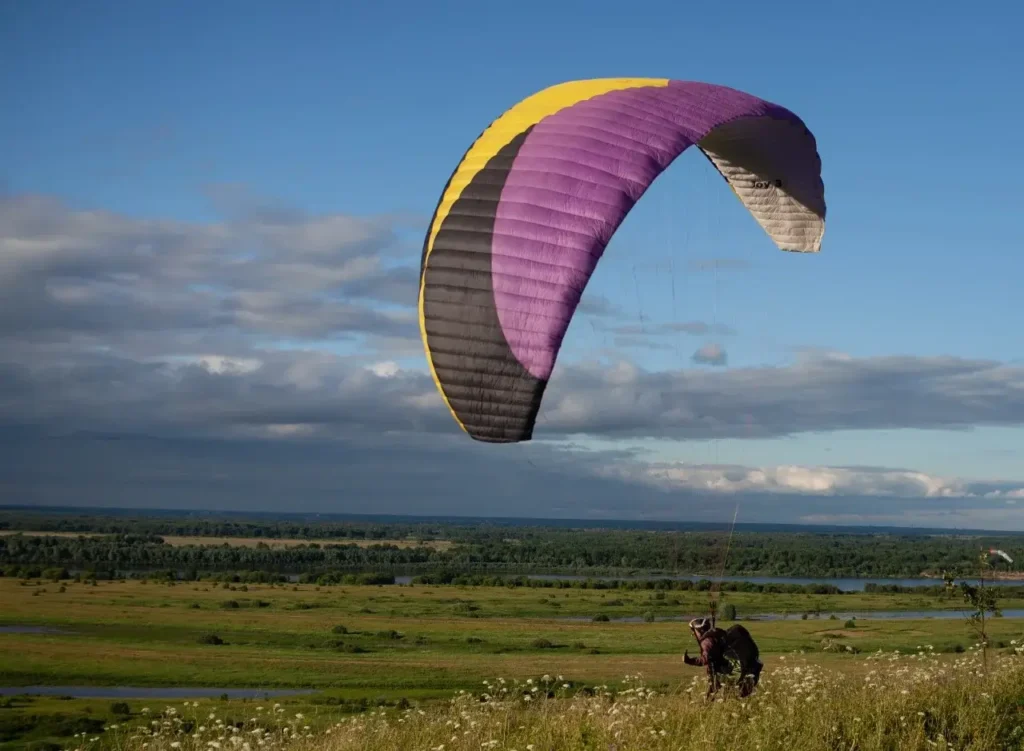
819	392
816	481
81	275
385	369
296	330
1011	495
224	364
710	354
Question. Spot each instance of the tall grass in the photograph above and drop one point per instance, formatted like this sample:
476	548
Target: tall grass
900	702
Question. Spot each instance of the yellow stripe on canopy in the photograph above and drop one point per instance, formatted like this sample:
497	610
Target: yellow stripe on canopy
523	115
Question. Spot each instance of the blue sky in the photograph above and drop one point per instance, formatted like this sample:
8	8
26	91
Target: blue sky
184	112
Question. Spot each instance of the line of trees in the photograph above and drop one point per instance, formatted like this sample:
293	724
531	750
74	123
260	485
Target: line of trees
485	549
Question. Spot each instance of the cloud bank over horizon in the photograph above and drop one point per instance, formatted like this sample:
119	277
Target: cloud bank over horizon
273	353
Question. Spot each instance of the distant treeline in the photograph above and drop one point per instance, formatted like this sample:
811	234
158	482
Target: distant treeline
136	544
187	527
659	585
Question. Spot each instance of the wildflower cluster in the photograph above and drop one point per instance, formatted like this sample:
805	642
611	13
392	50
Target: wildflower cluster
920	700
191	728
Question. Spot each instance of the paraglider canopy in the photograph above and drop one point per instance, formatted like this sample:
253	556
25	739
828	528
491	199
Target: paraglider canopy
528	211
1001	554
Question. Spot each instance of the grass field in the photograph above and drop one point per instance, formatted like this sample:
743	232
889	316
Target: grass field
389	643
903	702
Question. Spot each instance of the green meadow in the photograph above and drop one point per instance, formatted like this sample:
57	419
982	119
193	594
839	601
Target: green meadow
357	647
373	638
